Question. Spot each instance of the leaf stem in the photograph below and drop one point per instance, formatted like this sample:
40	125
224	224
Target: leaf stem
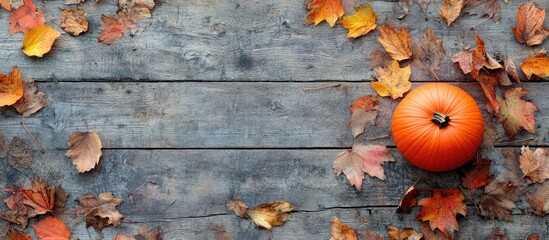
35	140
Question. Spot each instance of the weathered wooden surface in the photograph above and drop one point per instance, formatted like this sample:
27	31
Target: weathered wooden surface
221	115
245	40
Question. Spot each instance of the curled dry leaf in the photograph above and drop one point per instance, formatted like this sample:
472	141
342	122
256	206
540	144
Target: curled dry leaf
41	197
84	150
25	17
442	208
320	10
536	66
362	22
362	159
74	21
392	81
539	199
515	113
265	215
31	101
409	200
529	27
535	165
477	174
406	234
363	112
113	28
511	68
11	87
341	231
450	10
490	8
136	9
239	208
499	199
481	59
396	42
39	40
497	234
15	235
100	211
52	228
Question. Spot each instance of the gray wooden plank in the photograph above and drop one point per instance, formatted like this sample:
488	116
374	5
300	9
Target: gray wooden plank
221	115
245	40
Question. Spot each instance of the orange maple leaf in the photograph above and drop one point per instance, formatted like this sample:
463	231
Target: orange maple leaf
84	150
362	22
25	17
39	40
516	114
441	209
363	112
341	231
15	235
320	10
478	174
113	28
392	81
52	228
537	66
450	10
396	41
40	196
11	87
529	27
535	165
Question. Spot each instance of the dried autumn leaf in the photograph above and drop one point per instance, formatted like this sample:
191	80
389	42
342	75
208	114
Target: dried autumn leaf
481	59
52	228
40	197
362	159
450	10
25	17
20	213
396	41
535	165
74	21
265	215
539	199
409	200
371	235
84	150
515	113
499	199
113	28
5	4
442	208
11	87
39	40
511	68
490	8
478	174
320	10
392	81
406	234
488	84
15	235
362	22
238	207
497	234
136	9
31	101
429	52
537	65
341	231
465	61
100	211
529	27
363	112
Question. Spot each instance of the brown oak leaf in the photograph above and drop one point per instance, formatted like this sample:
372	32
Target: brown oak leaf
515	113
341	231
535	165
100	211
539	199
320	10
409	200
363	112
11	87
393	80
136	9
529	27
429	52
362	159
52	228
267	215
442	208
406	234
396	41
499	199
84	150
450	10
113	28
74	21
477	174
490	8
41	197
536	66
31	101
362	22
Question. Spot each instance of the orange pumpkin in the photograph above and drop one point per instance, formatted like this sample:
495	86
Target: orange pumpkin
437	127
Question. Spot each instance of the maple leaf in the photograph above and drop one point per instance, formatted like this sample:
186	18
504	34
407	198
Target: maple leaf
396	41
392	81
341	231
406	234
100	211
25	17
320	10
40	196
429	52
499	199
539	199
144	234
371	235
515	113
363	112
511	68
52	228
529	27
39	40
490	8
496	234
441	209
362	159
265	215
113	28
11	87
74	21
434	234
362	22
535	165
15	235
478	174
409	200
481	59
136	9
31	101
537	65
84	150
450	10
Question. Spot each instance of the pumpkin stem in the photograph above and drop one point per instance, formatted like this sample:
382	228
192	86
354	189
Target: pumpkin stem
440	119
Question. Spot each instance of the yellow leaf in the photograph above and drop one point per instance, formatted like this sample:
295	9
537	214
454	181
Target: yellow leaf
320	10
11	87
38	40
396	41
537	65
392	81
362	22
